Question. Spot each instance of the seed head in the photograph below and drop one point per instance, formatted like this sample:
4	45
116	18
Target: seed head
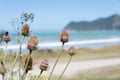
44	65
32	43
2	70
6	37
25	30
64	36
30	63
71	51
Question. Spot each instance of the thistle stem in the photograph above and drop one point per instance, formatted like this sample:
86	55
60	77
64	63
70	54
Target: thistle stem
5	52
39	75
14	65
65	68
24	72
3	77
20	55
60	53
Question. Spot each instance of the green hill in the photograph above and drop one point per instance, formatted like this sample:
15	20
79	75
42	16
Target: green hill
101	24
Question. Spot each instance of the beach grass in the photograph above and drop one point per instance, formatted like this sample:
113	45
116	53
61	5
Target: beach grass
81	54
103	73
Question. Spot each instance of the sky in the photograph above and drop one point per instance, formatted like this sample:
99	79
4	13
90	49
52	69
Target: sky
54	15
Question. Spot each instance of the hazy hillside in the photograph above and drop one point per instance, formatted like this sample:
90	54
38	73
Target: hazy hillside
109	23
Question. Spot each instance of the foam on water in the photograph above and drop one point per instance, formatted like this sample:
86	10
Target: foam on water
49	45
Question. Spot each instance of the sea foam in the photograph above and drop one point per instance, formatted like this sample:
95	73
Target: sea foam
49	45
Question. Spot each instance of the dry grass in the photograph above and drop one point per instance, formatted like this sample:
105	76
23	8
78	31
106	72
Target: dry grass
100	53
104	73
81	54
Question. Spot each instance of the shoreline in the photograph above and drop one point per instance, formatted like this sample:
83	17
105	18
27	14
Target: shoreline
97	43
25	50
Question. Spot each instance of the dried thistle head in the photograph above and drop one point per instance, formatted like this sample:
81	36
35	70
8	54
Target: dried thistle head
32	43
25	17
30	63
25	30
6	37
64	36
3	70
71	51
44	65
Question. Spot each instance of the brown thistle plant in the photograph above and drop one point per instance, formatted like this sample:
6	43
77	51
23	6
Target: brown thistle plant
3	70
30	64
64	37
31	46
6	37
43	67
71	52
32	43
25	30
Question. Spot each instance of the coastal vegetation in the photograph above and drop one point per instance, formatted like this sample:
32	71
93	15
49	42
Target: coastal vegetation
83	54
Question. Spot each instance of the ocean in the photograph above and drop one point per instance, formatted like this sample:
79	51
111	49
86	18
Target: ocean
88	39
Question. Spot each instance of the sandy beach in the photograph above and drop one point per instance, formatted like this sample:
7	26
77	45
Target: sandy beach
76	67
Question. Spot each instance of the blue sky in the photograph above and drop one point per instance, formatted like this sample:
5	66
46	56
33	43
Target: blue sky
54	15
